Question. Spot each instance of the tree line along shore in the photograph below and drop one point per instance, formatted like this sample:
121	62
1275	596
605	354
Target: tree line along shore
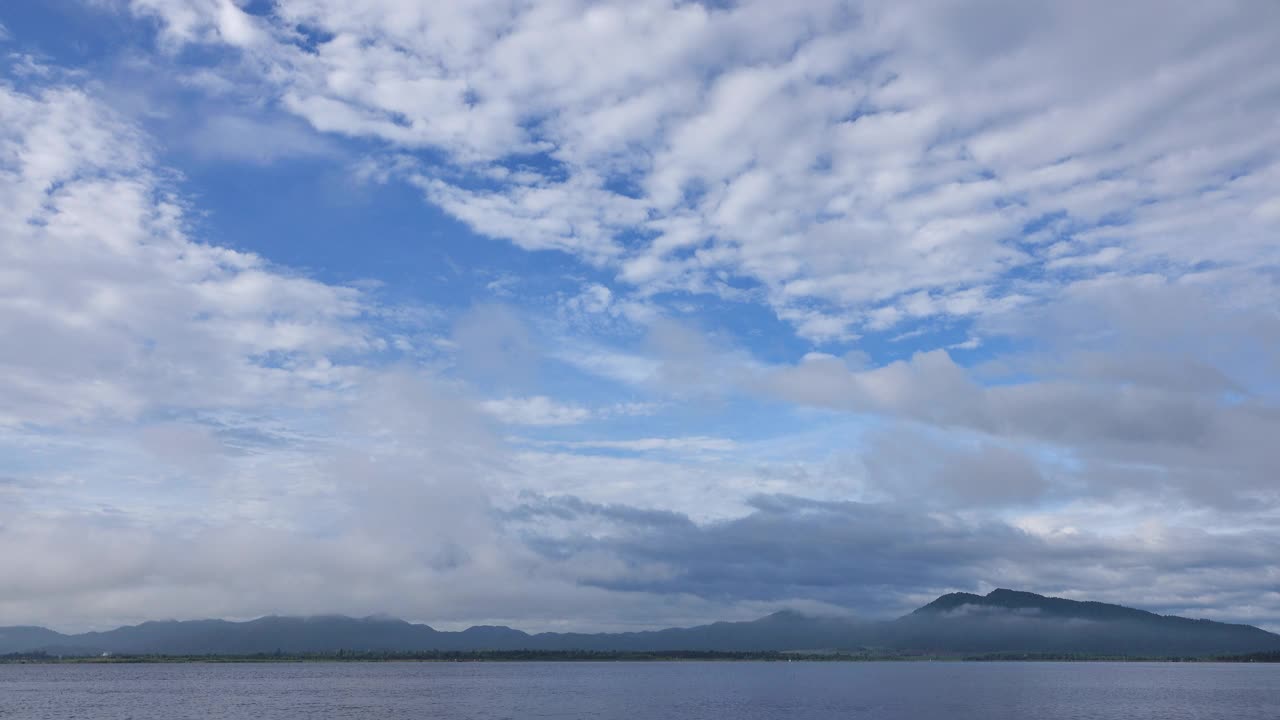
610	656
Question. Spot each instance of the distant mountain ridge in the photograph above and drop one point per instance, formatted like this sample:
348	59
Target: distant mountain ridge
1002	621
1001	598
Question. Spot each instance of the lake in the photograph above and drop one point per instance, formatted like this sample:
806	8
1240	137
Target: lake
691	690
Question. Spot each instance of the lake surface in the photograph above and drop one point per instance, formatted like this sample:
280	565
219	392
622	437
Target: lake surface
691	690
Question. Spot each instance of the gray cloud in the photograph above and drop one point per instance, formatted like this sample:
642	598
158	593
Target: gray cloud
879	559
1178	423
928	471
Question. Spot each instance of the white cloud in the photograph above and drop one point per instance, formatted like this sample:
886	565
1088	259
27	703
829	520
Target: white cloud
537	410
606	362
270	491
594	299
238	138
120	313
1096	180
864	163
691	444
1126	426
540	410
670	475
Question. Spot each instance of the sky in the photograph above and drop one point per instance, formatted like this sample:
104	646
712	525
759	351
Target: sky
606	316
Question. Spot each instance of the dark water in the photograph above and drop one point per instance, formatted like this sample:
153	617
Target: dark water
739	691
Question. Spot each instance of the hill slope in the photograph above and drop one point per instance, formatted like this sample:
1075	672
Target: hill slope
1002	621
1023	622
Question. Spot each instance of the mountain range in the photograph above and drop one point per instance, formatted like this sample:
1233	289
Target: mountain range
1003	621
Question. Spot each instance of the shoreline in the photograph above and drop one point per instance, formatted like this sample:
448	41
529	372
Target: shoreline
608	656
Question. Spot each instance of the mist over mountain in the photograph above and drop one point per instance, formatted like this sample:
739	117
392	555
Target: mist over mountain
1012	621
1001	621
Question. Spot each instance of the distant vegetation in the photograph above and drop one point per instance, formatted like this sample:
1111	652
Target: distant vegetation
1262	657
452	656
606	656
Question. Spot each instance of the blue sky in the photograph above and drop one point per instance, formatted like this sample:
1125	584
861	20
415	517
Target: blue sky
427	301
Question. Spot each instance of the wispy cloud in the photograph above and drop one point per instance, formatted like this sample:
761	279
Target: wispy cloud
535	410
692	444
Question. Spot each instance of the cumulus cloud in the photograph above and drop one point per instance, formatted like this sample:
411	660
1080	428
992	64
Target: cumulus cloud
1203	443
203	434
1082	195
121	312
931	160
165	372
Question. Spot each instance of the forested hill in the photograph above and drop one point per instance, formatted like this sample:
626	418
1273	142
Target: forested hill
1003	621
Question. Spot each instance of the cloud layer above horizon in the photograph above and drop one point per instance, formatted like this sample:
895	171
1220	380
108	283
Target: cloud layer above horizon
613	315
